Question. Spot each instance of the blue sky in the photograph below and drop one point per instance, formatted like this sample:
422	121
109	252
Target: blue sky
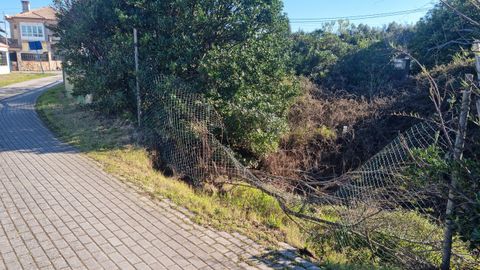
300	9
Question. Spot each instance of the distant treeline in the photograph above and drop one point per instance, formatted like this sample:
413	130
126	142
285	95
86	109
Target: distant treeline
358	58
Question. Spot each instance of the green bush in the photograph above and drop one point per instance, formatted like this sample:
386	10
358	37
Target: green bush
251	87
234	52
343	56
443	33
400	232
437	169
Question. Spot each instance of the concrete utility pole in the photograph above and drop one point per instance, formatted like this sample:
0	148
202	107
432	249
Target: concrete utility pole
457	156
139	111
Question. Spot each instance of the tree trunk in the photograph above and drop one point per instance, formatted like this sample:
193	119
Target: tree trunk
457	156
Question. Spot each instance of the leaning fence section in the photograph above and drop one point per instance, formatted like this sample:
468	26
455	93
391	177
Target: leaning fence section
377	206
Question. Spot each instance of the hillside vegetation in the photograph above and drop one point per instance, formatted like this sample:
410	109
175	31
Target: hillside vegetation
226	86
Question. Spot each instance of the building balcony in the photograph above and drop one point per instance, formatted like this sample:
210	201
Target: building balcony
14	43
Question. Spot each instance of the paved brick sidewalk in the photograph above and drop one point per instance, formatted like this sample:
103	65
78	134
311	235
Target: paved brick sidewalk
58	210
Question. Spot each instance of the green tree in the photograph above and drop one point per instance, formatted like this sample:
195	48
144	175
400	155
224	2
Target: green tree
344	56
367	71
235	52
315	54
97	53
250	87
432	166
443	33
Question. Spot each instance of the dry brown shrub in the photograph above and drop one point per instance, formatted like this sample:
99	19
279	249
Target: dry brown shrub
448	76
334	132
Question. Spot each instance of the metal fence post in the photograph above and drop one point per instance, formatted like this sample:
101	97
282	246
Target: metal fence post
139	110
457	156
476	50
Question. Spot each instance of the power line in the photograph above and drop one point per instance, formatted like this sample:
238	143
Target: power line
367	15
358	17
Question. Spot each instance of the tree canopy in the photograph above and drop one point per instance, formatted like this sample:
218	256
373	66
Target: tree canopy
234	52
344	56
443	32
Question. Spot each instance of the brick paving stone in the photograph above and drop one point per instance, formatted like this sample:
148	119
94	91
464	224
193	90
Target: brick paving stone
59	210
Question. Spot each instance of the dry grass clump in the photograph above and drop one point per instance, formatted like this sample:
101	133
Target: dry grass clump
331	108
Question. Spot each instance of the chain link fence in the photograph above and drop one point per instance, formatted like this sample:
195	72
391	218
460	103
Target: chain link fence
376	207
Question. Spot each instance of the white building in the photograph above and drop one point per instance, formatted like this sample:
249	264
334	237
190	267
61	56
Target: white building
4	59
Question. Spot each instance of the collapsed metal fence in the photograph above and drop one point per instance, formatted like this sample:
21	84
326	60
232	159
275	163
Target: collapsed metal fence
377	206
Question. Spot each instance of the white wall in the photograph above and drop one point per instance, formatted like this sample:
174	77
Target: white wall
5	69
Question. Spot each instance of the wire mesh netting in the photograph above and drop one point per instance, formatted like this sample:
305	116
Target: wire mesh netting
377	207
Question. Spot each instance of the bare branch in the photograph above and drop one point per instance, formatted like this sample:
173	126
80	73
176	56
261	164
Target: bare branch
474	22
446	44
436	98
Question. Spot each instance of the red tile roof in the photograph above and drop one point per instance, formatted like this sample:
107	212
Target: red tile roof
45	13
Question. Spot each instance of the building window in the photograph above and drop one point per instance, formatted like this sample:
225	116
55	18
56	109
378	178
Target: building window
54	54
34	57
3	59
32	31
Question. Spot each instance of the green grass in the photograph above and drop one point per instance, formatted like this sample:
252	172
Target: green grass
15	77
